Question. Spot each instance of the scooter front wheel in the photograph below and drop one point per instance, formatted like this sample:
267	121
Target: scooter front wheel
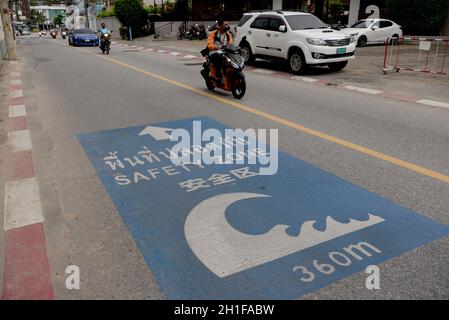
238	87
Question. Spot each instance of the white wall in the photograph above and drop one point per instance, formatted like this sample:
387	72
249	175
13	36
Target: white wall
112	23
277	4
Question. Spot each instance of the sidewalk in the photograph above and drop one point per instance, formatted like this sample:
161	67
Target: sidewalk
362	74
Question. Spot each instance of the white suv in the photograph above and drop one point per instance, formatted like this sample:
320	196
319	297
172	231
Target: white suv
299	38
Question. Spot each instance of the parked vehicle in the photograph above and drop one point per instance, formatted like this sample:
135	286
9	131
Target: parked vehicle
25	32
182	31
42	33
234	79
197	32
300	39
83	37
369	31
338	26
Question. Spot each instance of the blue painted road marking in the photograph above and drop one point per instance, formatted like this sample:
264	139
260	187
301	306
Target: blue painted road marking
225	232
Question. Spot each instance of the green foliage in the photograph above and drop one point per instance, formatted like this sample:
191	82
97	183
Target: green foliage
153	9
58	20
131	13
37	17
419	17
104	14
336	8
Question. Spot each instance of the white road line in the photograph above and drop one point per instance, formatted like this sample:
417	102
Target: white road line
15	74
13	62
16	93
162	51
263	71
20	140
174	53
17	111
15	82
22	204
150	49
311	80
189	56
434	103
363	90
113	42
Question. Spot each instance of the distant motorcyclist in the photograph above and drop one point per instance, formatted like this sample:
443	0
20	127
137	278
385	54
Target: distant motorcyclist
216	40
103	31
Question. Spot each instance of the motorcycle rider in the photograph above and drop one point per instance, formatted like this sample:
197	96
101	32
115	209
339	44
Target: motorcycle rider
216	40
103	30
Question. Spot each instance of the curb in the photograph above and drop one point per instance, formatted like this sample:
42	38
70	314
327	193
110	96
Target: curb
26	273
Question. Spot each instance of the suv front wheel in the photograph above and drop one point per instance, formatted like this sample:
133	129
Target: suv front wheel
297	61
247	54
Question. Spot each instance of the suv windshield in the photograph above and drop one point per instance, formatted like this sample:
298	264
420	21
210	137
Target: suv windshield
362	24
305	21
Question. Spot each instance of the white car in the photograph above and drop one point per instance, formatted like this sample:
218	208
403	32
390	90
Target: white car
299	38
373	31
26	32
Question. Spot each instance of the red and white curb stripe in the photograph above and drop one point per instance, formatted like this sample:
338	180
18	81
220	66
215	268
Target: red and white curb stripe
26	272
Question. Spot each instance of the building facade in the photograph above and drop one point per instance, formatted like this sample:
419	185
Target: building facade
50	12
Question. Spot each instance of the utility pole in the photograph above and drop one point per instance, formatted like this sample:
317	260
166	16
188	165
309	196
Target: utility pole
9	33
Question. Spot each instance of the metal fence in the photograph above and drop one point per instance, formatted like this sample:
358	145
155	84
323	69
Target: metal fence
417	54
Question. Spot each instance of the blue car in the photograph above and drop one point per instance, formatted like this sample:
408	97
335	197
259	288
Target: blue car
83	37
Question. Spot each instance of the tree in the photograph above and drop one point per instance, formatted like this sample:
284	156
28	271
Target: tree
131	13
419	17
57	21
8	30
37	16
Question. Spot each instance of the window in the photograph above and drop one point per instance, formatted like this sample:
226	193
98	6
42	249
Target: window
83	31
244	19
362	24
304	22
376	24
386	24
275	23
261	23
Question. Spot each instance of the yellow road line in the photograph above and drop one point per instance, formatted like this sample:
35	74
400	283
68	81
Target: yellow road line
372	153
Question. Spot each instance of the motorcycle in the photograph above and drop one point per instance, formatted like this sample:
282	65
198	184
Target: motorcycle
53	34
234	79
105	44
182	31
338	26
197	32
64	34
202	32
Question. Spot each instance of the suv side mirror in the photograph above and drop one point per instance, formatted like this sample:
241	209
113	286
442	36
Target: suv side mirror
283	28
